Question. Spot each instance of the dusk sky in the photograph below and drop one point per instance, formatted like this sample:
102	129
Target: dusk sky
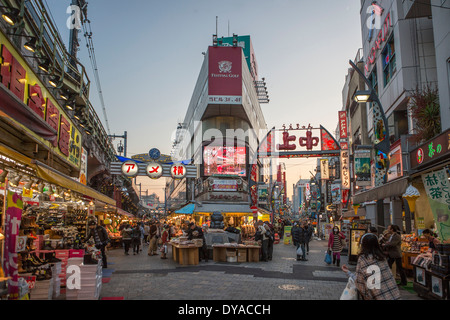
149	55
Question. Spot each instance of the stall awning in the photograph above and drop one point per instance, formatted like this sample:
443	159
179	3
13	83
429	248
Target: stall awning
392	189
53	176
124	213
187	209
209	208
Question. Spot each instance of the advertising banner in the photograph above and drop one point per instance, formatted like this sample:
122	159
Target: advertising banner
362	167
224	185
224	161
395	163
225	75
437	187
336	193
287	239
263	195
13	217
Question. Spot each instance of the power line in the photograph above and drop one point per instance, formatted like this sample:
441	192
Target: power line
91	52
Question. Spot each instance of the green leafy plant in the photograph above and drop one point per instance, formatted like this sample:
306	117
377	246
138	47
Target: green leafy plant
426	113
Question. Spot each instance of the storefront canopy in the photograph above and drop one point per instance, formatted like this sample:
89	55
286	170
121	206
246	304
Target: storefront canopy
392	189
188	209
209	208
361	212
53	176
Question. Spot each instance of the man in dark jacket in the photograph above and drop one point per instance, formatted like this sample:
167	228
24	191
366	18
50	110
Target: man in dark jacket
101	238
195	232
394	251
300	237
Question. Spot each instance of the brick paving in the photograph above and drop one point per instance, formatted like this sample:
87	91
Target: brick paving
141	277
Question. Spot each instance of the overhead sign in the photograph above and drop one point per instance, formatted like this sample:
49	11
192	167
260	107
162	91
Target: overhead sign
129	167
225	75
154	170
178	171
301	142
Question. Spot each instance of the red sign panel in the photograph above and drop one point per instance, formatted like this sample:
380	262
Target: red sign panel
343	129
225	75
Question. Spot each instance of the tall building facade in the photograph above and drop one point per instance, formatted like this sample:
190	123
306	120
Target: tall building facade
221	131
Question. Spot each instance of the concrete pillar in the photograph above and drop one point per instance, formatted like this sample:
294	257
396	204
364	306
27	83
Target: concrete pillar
397	213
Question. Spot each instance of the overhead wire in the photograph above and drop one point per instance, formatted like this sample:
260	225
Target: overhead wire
91	51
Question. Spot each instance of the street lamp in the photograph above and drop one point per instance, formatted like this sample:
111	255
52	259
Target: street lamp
363	96
380	127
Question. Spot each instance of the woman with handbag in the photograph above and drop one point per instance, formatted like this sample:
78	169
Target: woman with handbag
373	278
335	245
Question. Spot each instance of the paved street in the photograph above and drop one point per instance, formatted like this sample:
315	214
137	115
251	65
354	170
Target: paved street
141	277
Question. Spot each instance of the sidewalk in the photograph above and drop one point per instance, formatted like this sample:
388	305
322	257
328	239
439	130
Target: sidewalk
141	277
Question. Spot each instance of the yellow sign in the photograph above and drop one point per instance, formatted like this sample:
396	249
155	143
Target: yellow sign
27	193
21	81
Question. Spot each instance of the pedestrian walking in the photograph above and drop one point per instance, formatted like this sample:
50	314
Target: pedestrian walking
260	236
146	233
270	234
393	250
335	245
141	227
310	232
299	238
152	248
126	237
136	238
165	240
373	277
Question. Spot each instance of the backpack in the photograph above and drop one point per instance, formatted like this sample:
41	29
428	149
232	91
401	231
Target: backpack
258	236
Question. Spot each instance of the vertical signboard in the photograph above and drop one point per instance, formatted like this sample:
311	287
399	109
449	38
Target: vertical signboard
343	130
13	217
225	75
437	187
324	172
345	170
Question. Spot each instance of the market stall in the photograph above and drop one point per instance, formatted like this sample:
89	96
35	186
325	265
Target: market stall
432	273
233	252
185	252
411	247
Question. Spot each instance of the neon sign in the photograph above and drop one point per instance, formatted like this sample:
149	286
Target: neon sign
379	40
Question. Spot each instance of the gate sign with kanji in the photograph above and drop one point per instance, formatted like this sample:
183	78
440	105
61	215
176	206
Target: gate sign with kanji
154	170
130	169
153	165
178	171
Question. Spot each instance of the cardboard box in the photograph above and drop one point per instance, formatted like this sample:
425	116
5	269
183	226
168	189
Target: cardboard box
242	255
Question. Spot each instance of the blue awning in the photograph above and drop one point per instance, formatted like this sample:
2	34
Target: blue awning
188	209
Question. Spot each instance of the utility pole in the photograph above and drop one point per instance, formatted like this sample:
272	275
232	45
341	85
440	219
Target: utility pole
125	138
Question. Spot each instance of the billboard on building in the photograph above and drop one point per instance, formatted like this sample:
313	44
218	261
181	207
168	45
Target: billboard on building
224	161
225	75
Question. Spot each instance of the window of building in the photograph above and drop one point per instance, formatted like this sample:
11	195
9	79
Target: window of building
389	61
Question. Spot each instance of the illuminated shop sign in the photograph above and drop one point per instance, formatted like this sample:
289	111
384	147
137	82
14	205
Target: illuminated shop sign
224	161
378	43
20	80
432	150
